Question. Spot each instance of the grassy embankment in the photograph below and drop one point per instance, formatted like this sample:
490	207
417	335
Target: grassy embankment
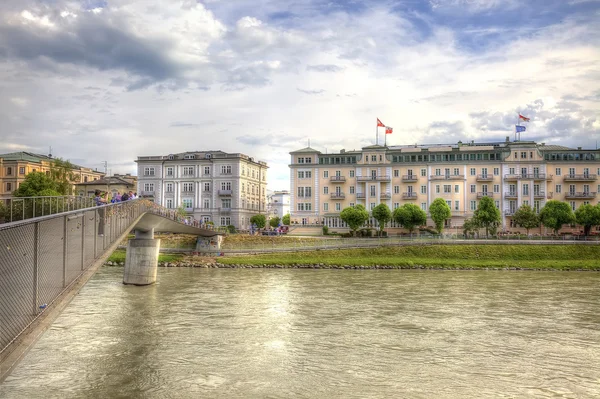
559	257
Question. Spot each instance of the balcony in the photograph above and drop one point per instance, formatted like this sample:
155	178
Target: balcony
485	194
410	178
147	193
580	195
225	210
225	192
583	177
446	177
360	195
539	194
337	196
527	176
509	212
510	195
373	178
337	179
385	196
485	177
409	196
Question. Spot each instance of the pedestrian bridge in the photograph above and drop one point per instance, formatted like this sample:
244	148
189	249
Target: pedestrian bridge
42	257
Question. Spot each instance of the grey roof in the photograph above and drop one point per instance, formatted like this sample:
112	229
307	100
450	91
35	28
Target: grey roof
111	180
306	150
553	147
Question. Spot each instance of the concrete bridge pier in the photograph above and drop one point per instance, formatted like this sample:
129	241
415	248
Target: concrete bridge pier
209	245
141	262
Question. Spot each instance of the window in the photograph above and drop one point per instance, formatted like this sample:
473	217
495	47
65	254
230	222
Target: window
396	205
423	172
497	204
473	205
207	170
449	203
338	206
472	171
424	206
558	171
304	174
371	206
85	179
516	155
149	187
225	220
304	206
572	203
373	158
351	173
484	172
21	170
558	188
447	188
372	191
326	206
304	192
536	206
188	171
456	188
225	169
351	204
457	205
511	171
9	171
206	203
225	185
8	187
396	172
571	171
170	203
188	187
437	188
438	172
496	188
187	203
351	189
523	154
170	171
524	172
496	171
189	156
226	203
206	187
169	187
525	189
396	189
149	171
325	174
473	188
456	171
325	190
423	189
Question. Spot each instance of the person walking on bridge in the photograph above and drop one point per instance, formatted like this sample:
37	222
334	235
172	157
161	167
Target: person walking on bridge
100	200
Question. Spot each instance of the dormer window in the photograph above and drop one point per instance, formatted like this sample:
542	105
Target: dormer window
207	156
171	157
189	156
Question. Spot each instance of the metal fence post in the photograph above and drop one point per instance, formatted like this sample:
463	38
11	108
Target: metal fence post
36	247
33	206
95	233
83	242
65	222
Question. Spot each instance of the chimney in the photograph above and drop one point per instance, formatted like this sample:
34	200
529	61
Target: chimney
579	148
507	139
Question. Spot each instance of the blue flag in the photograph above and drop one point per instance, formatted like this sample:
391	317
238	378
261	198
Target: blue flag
520	128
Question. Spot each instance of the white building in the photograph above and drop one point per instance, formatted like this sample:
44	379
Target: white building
213	186
278	204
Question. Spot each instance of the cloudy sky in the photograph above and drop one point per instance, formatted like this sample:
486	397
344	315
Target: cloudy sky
114	79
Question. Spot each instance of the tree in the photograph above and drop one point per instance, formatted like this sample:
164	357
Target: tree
274	222
555	214
410	216
470	226
354	216
64	177
439	211
487	215
588	216
382	214
180	211
259	220
526	218
286	219
35	185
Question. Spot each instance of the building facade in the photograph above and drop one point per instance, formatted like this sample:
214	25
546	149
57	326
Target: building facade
213	186
511	173
15	166
278	204
112	184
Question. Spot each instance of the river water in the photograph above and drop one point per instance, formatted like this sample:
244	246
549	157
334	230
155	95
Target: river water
254	333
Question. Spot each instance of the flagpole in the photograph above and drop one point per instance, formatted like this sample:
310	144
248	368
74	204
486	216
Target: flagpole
385	140
377	132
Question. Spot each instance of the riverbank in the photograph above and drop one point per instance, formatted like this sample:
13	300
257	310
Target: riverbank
450	257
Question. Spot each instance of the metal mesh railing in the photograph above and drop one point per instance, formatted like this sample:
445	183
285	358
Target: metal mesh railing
22	208
41	257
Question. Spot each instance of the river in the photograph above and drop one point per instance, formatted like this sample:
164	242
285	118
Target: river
271	333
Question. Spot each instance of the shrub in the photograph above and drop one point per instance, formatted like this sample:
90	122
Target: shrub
231	229
325	230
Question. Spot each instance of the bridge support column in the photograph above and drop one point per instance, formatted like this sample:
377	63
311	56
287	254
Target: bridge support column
209	245
141	261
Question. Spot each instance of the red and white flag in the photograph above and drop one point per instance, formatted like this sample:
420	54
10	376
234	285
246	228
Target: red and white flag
388	130
522	118
379	123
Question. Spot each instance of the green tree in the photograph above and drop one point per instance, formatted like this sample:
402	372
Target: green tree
62	173
355	217
487	215
274	222
3	211
439	211
259	220
382	214
526	217
35	185
470	226
180	211
555	214
410	216
286	219
588	216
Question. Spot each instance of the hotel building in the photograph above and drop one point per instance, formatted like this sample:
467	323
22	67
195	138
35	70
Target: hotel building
213	186
511	173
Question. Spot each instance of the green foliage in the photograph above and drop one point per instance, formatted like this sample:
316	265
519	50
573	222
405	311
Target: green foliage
2	211
588	216
180	211
354	216
274	222
382	214
35	184
470	226
259	220
286	219
487	215
526	218
61	172
231	229
410	216
325	230
439	212
555	214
